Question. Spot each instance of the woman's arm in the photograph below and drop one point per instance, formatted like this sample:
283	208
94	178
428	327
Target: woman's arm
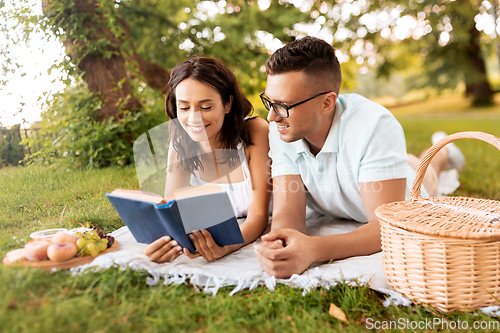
260	171
258	211
177	177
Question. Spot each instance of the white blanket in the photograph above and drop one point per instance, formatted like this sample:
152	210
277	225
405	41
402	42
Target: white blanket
241	268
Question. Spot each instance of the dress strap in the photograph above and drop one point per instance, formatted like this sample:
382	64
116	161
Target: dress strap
243	160
242	155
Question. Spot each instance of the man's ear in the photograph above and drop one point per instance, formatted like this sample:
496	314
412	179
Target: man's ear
229	104
329	103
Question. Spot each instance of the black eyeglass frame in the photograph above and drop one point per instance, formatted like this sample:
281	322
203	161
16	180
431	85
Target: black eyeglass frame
265	100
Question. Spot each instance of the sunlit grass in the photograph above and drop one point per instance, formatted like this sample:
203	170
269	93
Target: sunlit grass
446	104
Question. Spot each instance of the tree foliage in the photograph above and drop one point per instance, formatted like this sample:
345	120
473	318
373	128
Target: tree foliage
438	41
452	50
74	135
15	25
118	50
10	150
121	51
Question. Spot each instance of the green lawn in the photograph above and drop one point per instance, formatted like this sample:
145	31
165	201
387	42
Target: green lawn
32	300
481	176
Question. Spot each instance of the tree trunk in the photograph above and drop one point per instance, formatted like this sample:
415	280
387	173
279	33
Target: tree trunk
476	80
103	77
107	78
155	75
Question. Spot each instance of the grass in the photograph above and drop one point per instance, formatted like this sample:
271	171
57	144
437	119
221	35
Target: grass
480	177
32	300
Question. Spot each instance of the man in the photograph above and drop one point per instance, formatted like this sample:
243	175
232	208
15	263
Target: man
343	155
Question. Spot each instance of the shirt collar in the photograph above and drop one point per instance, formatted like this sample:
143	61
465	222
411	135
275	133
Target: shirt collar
332	140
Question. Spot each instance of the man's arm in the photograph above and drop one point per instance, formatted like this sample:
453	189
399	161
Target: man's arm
302	250
364	240
289	203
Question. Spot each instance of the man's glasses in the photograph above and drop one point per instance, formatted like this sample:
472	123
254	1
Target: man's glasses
283	110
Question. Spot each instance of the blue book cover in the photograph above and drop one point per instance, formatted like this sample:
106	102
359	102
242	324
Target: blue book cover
148	220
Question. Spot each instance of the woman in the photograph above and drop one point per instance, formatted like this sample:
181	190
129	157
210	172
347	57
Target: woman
212	113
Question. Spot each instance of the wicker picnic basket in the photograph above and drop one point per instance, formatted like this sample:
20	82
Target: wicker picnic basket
443	252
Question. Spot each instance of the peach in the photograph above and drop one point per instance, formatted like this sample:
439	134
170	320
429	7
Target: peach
62	237
36	250
15	255
61	251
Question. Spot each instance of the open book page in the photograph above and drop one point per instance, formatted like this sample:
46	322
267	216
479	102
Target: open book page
193	191
138	195
181	193
204	211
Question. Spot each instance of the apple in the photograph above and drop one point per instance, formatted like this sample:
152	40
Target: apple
61	251
62	237
36	250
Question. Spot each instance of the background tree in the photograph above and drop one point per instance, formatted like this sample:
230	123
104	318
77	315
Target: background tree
121	52
123	49
454	49
445	34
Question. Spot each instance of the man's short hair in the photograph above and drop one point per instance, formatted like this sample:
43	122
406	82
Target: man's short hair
312	55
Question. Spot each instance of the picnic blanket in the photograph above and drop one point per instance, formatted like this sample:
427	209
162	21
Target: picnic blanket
241	269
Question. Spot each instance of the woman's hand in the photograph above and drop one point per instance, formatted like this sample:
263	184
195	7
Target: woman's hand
206	246
163	249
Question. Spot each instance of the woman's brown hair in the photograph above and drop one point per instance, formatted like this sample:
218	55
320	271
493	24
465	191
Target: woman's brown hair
217	76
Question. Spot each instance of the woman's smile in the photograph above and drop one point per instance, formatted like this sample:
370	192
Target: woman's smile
196	128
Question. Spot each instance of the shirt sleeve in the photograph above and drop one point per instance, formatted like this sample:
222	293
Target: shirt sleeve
282	164
385	155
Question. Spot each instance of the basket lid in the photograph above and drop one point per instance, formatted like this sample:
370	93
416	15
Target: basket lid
454	217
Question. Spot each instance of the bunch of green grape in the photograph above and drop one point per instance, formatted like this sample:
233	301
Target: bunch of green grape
92	242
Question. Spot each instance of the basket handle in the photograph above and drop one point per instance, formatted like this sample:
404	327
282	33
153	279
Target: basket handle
426	160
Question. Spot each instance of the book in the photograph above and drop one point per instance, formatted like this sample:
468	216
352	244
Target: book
150	216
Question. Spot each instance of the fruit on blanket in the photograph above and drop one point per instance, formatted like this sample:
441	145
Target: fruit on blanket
15	255
92	242
62	237
61	251
36	250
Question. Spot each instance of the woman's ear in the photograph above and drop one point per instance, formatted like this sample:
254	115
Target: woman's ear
229	104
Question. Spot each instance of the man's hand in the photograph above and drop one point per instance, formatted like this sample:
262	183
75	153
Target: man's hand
206	246
275	244
163	249
283	262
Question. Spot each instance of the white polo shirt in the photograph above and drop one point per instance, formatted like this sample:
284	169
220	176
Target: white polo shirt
365	144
